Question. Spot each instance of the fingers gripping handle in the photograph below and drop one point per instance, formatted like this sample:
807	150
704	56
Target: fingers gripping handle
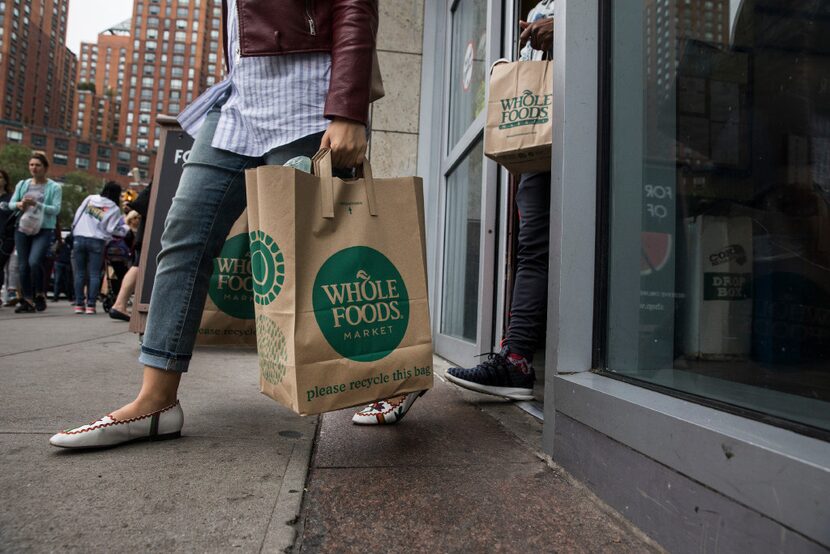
321	163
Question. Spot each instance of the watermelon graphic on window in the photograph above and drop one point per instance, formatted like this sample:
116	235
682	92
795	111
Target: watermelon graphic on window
655	251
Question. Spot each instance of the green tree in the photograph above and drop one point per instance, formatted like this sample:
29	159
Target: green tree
72	197
88	183
14	159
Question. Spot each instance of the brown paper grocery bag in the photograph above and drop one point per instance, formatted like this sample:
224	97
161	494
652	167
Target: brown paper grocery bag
228	317
340	286
519	128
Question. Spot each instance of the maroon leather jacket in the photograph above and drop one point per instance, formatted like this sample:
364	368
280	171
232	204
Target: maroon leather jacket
346	28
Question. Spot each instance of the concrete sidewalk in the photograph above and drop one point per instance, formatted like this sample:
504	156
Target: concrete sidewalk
232	483
460	474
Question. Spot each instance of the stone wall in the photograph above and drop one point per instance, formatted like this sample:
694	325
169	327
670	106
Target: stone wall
393	147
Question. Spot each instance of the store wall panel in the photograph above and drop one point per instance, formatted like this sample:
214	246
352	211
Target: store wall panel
394	154
401	26
398	110
679	513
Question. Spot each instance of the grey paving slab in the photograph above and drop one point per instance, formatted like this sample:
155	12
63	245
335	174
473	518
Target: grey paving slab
233	482
23	332
449	478
424	437
196	494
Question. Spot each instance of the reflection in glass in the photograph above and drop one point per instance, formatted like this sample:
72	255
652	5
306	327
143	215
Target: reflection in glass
459	307
720	186
467	65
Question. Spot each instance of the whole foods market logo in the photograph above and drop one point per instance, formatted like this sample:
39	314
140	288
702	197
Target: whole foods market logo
271	348
231	285
527	109
361	304
267	268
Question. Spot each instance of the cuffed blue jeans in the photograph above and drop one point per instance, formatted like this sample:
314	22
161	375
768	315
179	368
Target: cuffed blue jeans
87	260
210	198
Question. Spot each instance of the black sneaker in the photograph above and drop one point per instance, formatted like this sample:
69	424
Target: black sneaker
497	376
40	303
24	307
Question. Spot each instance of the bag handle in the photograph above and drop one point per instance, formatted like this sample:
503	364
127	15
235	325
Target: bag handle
322	168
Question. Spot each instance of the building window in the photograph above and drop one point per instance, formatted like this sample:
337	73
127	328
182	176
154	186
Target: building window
13	135
143	159
102	166
82	163
104	152
124	156
61	144
60	159
83	148
718	272
39	141
122	169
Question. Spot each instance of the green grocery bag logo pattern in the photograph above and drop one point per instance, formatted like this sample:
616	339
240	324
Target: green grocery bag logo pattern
271	348
527	109
231	285
267	268
361	304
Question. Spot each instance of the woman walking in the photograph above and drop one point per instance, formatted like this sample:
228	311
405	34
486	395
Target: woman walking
324	50
38	202
97	220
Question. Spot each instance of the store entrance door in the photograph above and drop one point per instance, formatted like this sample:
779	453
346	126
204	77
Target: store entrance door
468	186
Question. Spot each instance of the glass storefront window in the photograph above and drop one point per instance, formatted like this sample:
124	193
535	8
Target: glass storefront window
719	203
459	307
467	72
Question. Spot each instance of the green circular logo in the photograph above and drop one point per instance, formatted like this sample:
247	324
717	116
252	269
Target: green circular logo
271	348
231	287
267	268
361	304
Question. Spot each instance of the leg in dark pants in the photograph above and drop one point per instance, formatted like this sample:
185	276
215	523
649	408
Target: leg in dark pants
528	307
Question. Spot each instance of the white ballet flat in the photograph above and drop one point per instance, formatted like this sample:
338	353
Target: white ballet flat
107	431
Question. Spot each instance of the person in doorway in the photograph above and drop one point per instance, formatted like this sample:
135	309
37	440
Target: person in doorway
97	220
38	202
249	119
6	226
509	373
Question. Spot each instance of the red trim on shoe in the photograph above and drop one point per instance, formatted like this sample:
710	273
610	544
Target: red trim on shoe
116	421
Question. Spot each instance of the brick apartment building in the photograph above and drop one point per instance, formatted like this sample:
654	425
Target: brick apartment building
101	111
175	55
39	71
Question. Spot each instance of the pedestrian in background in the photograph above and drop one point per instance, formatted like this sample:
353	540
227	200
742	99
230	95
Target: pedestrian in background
6	226
97	220
37	201
64	282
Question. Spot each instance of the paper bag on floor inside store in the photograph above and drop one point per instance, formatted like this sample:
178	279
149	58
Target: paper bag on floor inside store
228	317
519	127
339	278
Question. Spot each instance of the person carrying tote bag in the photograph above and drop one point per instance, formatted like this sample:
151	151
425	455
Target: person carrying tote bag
251	118
37	202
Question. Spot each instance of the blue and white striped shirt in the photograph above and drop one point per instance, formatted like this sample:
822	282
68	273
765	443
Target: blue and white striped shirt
272	100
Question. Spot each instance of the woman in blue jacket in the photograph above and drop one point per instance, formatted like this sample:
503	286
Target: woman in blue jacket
31	196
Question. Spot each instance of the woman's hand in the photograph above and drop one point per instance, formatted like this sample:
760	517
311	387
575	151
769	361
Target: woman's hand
133	220
347	141
539	33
